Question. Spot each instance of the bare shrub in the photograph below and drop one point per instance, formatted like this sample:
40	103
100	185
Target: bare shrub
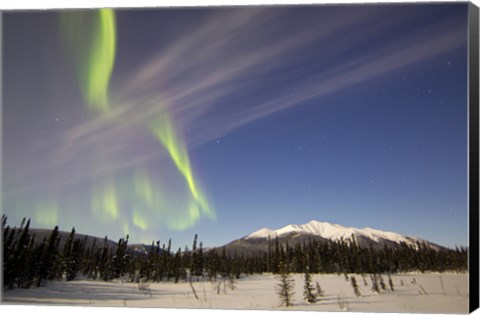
193	289
144	286
423	289
342	304
443	287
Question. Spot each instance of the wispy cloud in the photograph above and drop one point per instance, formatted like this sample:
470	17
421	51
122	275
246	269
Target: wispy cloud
228	72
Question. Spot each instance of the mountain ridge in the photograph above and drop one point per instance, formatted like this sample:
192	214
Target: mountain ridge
322	232
332	231
261	239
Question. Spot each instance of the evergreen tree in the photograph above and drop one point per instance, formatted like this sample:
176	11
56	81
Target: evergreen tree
168	260
120	259
91	261
104	265
308	292
4	222
26	263
37	262
199	261
224	265
286	285
74	261
276	256
19	259
196	267
68	266
25	279
177	265
49	260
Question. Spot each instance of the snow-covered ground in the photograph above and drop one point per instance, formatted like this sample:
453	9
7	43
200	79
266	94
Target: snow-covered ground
420	293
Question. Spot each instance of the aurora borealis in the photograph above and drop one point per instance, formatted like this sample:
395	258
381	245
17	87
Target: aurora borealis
91	36
164	123
96	57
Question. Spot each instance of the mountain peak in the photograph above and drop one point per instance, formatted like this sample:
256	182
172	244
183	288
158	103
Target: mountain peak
262	233
334	232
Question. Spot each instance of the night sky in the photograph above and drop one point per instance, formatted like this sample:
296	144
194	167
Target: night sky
164	123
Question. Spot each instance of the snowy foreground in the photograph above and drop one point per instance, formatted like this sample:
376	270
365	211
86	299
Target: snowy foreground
420	293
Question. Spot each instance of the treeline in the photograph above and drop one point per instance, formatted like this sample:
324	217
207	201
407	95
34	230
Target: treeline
348	257
26	264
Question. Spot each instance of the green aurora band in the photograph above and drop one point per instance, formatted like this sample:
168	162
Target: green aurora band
165	133
91	39
101	61
47	213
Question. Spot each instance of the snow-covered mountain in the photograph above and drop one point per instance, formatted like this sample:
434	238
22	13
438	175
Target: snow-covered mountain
334	232
322	231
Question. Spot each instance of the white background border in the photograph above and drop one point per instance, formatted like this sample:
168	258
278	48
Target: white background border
55	4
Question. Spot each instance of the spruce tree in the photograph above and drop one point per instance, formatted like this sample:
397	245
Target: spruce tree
169	260
120	259
91	261
37	262
308	290
19	258
199	261
177	265
74	261
27	277
193	266
49	260
286	285
104	264
67	263
276	257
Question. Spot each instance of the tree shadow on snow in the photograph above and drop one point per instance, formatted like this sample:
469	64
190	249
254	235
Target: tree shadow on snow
65	293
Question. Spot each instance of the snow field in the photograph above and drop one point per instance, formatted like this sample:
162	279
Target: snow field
420	293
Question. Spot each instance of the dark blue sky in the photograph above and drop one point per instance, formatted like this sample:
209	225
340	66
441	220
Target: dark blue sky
355	115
